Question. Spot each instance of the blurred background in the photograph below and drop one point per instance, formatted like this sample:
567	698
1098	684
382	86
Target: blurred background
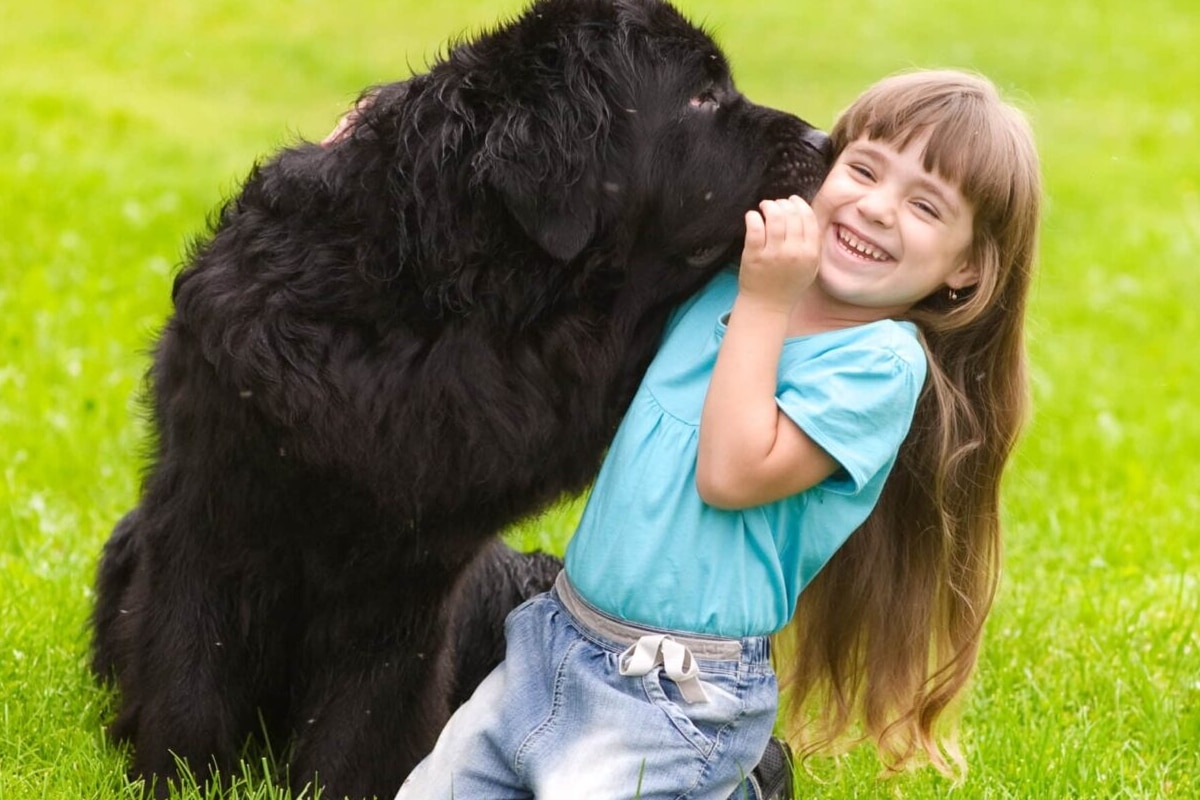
123	125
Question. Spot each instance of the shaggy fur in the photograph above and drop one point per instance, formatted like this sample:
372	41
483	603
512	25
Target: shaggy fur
388	350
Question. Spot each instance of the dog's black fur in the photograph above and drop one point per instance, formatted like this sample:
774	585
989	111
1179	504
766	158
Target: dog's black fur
388	350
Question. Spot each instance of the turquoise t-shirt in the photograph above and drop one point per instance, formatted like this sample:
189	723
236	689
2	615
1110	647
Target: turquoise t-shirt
650	551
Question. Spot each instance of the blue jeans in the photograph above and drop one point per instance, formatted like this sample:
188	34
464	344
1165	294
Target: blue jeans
557	720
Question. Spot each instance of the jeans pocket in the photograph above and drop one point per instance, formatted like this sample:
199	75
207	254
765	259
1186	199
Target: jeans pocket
700	724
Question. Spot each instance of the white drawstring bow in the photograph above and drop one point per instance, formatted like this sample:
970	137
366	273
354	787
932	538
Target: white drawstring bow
676	660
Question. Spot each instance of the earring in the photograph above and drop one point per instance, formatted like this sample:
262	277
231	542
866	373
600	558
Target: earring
953	294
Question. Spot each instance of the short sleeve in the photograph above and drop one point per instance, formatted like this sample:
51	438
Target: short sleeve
856	401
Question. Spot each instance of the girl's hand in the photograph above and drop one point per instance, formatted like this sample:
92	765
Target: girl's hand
347	122
781	252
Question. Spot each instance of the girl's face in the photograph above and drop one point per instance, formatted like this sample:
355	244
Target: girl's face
891	232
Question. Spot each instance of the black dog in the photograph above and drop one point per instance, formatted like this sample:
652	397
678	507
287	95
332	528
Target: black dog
388	350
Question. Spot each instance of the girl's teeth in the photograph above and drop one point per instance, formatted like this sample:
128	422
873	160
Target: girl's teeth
861	247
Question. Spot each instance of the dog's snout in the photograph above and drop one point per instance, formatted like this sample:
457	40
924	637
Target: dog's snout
818	140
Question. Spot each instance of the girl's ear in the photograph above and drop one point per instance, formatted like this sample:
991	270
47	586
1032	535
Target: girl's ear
964	277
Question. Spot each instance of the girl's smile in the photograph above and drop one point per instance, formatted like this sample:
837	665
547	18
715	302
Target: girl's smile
856	245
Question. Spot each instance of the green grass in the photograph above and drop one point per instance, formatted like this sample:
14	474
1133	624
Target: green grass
123	124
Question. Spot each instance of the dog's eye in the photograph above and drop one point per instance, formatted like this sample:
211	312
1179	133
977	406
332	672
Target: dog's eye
705	101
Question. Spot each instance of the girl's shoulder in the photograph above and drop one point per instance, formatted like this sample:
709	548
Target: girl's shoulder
879	342
899	337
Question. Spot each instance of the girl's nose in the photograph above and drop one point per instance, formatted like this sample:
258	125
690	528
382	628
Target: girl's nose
878	207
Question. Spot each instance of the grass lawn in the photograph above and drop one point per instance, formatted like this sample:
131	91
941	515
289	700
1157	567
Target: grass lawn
123	124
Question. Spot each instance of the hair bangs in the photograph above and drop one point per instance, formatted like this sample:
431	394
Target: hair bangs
968	143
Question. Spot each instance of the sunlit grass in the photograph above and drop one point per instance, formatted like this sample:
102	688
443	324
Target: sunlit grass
123	124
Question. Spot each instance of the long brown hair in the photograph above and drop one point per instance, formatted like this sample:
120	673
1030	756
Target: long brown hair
887	635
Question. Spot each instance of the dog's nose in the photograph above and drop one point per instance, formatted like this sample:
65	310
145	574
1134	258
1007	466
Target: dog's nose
819	141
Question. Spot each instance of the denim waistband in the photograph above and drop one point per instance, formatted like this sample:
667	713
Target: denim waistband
748	649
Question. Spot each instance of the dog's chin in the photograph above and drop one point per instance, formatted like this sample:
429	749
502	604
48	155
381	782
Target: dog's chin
705	257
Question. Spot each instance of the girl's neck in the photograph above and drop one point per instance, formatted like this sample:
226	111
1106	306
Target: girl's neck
816	312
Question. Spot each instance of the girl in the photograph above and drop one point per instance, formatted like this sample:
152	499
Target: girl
773	423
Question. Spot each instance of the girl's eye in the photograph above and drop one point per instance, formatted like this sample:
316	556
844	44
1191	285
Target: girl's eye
927	209
705	101
862	171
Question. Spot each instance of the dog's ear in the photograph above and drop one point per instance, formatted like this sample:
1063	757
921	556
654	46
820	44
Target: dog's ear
544	163
560	218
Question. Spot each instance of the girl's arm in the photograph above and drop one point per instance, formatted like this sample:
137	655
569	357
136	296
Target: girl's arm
750	452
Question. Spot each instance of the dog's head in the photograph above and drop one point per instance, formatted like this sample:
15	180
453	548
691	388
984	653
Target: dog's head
592	123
